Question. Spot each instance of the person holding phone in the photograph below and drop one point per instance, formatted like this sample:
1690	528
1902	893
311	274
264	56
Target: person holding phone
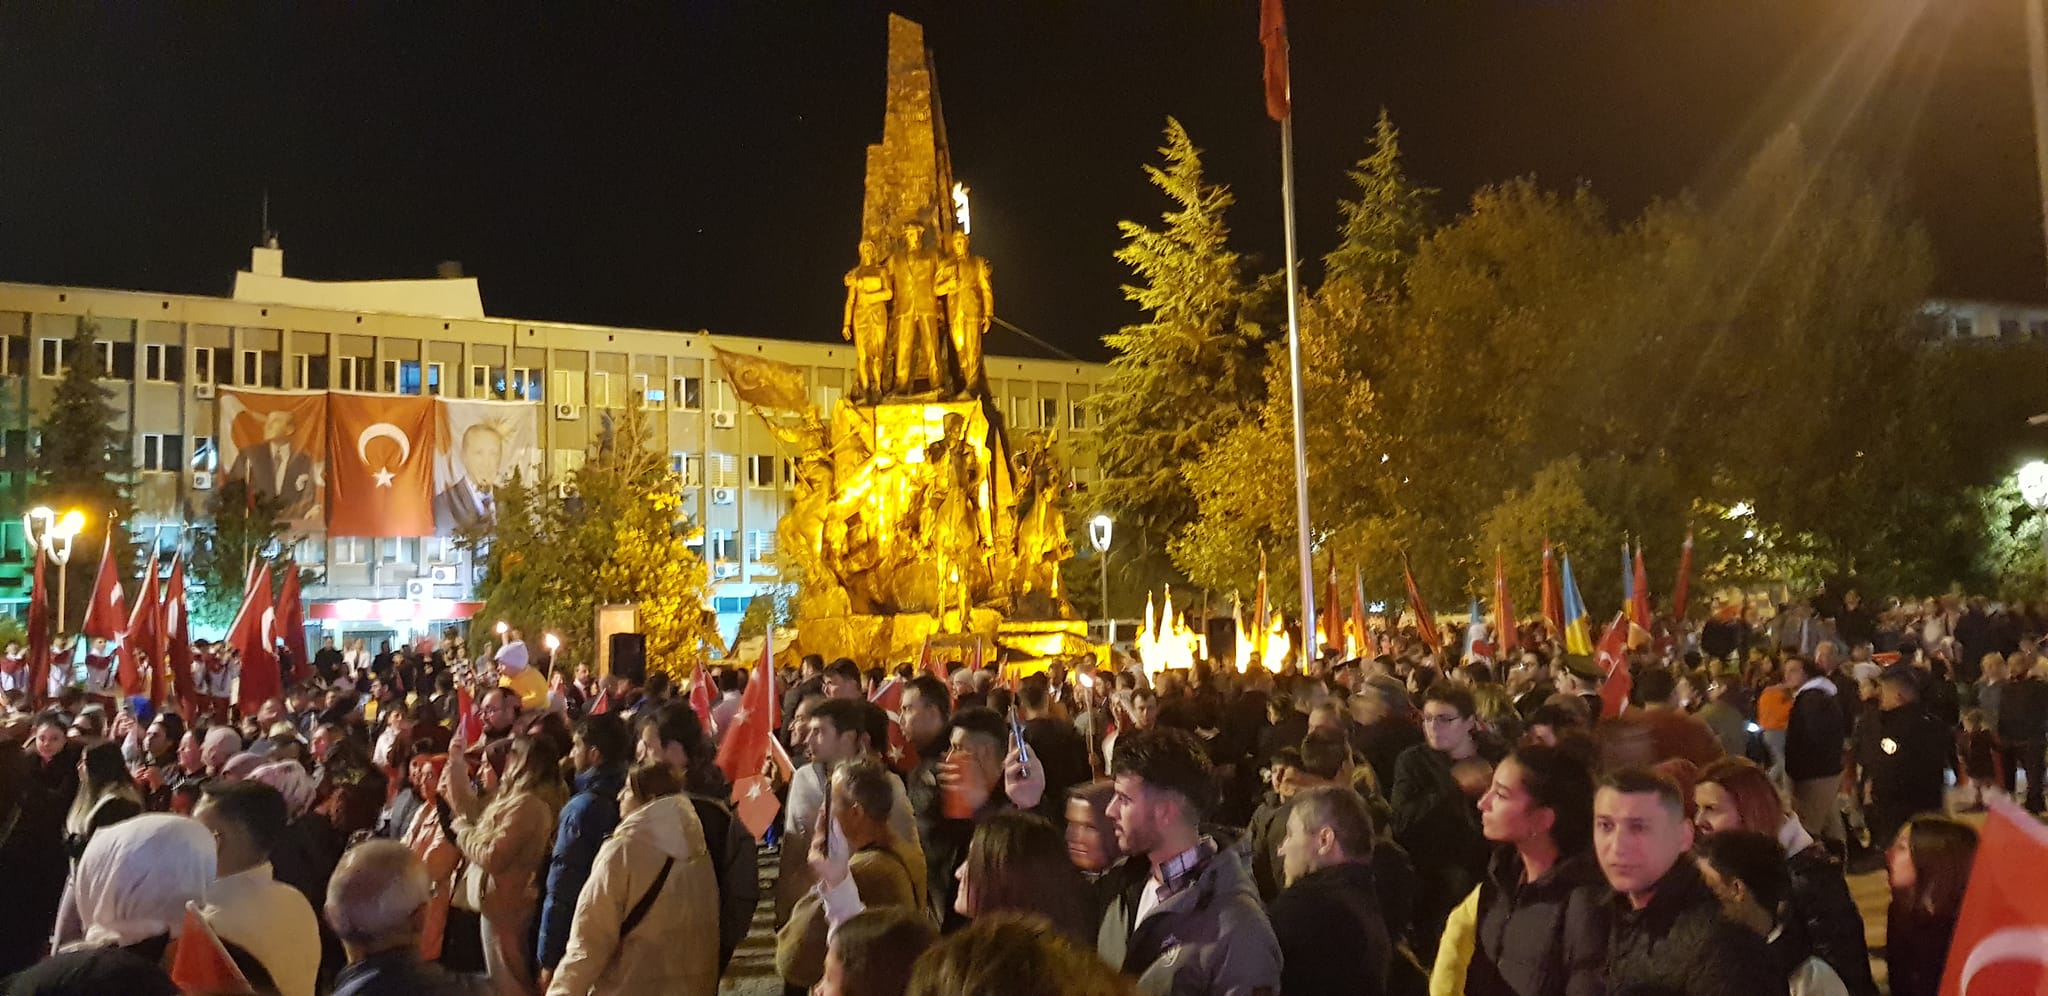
859	862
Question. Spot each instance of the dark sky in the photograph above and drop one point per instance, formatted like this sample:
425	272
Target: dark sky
685	165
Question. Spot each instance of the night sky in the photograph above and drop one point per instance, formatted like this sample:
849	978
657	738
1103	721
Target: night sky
687	165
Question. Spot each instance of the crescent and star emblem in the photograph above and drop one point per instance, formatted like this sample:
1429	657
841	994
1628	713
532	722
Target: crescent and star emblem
389	431
2010	944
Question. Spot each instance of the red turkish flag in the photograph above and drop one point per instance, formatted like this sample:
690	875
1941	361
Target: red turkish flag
468	723
700	696
38	636
200	963
1273	38
744	746
144	640
2001	939
1613	659
755	804
252	635
107	616
178	639
901	755
291	623
380	465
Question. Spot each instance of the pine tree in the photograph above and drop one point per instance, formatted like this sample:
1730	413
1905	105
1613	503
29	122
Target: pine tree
1380	229
1184	376
238	526
620	537
82	463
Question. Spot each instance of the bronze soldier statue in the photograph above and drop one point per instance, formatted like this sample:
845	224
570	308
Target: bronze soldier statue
869	288
970	304
916	273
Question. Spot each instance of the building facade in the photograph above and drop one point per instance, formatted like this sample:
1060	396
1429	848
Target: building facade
168	355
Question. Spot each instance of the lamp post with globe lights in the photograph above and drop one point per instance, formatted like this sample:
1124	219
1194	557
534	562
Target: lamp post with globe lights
53	533
1099	529
2033	481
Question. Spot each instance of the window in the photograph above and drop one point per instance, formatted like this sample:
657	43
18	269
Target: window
689	468
351	550
402	376
2036	328
569	387
1965	328
52	357
760	545
356	373
117	360
310	551
162	362
719	543
2009	329
1049	413
162	451
1077	415
688	394
398	550
14	362
761	471
828	399
601	390
309	373
434	375
526	383
262	368
1020	413
202	366
722	400
437	549
724	470
204	456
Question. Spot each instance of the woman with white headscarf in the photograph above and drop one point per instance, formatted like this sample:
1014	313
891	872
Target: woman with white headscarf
130	893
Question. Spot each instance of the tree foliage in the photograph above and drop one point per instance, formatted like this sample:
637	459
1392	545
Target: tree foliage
239	528
1184	376
82	462
619	537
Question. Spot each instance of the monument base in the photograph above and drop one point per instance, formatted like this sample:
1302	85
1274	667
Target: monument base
886	641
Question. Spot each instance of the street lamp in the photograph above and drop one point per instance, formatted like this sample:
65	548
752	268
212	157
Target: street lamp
53	534
1099	529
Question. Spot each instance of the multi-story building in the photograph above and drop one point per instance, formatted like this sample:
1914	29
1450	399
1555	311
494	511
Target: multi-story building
168	355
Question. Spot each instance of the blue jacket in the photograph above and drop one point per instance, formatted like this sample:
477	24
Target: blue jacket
590	817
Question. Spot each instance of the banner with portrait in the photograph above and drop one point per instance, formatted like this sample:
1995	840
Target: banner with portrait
481	444
276	442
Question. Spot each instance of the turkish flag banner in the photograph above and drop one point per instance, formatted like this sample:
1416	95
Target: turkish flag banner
744	746
2001	939
380	465
901	754
755	804
1613	651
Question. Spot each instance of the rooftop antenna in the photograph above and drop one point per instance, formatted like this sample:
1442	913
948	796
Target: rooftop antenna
269	236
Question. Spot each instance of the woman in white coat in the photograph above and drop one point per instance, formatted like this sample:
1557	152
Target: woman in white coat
647	919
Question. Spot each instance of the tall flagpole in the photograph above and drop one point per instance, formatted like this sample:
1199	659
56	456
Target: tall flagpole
1303	543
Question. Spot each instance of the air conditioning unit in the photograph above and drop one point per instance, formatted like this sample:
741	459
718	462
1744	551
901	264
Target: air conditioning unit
419	589
202	480
442	573
722	420
722	496
203	392
725	569
567	413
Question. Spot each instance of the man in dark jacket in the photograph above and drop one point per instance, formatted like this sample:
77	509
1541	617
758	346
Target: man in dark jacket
1433	819
1667	936
1332	939
1183	916
1913	749
1813	751
2022	724
603	746
375	902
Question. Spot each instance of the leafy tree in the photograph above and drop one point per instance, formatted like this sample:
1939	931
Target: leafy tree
82	462
1186	375
240	526
1381	228
620	538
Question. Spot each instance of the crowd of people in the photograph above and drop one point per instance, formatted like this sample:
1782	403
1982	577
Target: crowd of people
1415	821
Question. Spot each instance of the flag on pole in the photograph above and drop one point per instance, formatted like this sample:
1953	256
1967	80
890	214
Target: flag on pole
1425	623
2001	938
1504	636
1261	615
200	962
1639	604
1615	688
1273	37
1578	630
177	637
1553	600
700	696
251	636
107	616
38	635
1333	614
901	753
469	725
927	661
1683	588
748	744
291	625
143	639
1360	632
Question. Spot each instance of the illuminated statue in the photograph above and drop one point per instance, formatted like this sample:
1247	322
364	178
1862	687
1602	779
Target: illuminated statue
952	523
916	272
1042	543
970	304
869	287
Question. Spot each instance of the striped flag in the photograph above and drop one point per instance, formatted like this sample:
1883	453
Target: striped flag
1578	631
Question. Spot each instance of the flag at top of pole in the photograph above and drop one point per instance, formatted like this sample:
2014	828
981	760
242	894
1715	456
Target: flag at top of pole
1273	35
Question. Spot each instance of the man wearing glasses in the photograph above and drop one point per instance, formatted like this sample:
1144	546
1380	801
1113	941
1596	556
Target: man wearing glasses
1433	818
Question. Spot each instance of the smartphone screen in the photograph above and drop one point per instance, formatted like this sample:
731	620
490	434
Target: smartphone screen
1017	730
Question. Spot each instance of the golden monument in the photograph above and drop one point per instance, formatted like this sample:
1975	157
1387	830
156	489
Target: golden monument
913	518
